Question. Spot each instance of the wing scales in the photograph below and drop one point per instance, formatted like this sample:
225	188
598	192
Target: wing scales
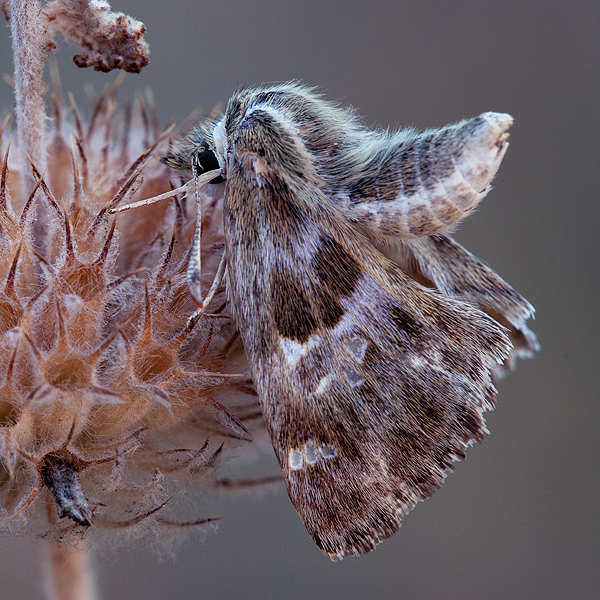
371	385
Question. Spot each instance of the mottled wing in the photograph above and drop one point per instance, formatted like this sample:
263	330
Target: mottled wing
455	272
410	185
371	385
411	188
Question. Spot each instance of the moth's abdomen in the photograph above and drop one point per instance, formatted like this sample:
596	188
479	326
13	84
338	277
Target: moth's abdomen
430	182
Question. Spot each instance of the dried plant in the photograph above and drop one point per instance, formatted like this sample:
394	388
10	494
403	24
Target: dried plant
103	370
110	40
115	394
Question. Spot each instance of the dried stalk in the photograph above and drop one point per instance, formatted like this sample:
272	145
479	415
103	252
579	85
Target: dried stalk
70	574
28	44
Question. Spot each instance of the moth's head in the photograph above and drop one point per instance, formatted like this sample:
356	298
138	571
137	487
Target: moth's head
196	153
266	123
288	124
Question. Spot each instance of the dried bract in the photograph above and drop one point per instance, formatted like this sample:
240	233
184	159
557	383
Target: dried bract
110	40
109	385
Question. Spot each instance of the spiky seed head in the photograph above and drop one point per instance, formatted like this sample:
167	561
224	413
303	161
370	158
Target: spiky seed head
108	391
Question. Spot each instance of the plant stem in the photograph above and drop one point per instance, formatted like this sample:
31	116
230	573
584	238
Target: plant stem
28	44
69	573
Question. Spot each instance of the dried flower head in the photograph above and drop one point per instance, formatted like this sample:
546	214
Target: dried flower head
109	385
110	40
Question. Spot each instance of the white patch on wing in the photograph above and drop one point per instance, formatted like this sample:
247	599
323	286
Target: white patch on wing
293	351
324	384
309	454
328	451
353	377
295	459
416	361
357	347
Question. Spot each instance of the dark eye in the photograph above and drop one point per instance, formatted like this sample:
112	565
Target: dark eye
207	161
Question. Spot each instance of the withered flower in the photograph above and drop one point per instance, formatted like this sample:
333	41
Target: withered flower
105	370
115	393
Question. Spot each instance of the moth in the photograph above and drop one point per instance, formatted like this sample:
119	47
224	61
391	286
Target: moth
372	335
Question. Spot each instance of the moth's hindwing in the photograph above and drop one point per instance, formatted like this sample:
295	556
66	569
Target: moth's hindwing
371	385
456	273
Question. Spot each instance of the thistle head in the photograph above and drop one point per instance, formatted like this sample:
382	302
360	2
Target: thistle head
114	397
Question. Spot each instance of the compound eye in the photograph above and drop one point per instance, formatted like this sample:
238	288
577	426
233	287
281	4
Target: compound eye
207	161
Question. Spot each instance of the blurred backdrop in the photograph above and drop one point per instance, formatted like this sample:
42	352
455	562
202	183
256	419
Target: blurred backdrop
520	517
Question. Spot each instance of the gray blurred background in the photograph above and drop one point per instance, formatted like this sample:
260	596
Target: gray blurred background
519	518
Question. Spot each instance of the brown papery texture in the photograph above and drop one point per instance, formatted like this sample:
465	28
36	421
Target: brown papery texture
114	400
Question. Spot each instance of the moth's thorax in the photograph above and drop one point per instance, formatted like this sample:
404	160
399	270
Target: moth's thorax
270	139
296	129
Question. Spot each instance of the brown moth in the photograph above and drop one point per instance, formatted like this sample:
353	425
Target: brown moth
371	334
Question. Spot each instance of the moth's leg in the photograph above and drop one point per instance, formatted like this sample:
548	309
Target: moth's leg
194	270
419	185
218	279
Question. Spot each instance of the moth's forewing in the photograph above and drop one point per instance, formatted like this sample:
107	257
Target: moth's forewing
371	385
